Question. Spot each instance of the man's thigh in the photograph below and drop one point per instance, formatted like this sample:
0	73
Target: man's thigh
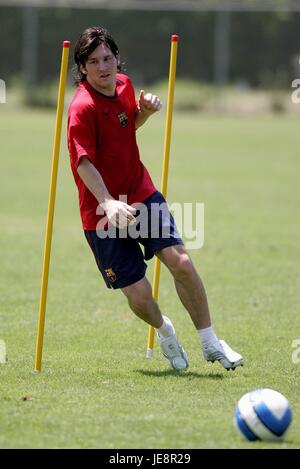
120	260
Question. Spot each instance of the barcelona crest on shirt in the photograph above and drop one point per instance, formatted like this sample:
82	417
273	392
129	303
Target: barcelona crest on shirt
123	119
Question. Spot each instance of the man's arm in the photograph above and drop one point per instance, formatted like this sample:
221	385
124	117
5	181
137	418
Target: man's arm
147	105
118	213
93	180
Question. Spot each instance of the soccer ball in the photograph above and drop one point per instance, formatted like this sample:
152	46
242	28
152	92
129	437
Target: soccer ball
263	414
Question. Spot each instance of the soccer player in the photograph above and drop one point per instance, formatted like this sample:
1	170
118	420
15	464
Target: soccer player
115	188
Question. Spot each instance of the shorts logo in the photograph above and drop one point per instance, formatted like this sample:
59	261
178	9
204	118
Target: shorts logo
123	119
111	275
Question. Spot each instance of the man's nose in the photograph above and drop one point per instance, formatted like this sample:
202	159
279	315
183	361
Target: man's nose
102	65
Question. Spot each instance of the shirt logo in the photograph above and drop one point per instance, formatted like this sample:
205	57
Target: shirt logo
123	119
111	275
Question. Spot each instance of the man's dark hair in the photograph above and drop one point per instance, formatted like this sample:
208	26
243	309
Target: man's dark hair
87	42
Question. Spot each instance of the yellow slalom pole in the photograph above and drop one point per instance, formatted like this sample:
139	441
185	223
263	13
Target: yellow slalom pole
51	204
165	170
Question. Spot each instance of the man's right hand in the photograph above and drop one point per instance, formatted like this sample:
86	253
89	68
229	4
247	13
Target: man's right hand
119	213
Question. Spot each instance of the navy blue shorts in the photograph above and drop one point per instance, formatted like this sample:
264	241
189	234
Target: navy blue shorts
119	257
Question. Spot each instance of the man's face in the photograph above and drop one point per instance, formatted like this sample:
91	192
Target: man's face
100	70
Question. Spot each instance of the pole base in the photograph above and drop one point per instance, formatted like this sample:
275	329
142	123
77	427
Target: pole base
3	354
149	353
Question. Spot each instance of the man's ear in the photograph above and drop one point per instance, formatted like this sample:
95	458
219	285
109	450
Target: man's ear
83	70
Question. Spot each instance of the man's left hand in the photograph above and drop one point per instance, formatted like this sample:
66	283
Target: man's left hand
148	103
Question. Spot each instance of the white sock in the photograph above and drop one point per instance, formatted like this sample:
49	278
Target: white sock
167	328
208	336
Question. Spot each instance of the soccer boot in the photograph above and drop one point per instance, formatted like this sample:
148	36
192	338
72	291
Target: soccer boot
228	358
174	352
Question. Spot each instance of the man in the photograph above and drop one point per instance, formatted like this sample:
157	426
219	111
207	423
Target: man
103	118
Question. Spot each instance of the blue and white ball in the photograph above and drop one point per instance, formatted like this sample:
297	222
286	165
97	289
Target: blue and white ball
263	414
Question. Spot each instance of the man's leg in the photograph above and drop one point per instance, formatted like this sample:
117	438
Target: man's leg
121	263
188	284
142	303
192	294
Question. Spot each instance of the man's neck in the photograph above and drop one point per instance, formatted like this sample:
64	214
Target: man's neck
110	93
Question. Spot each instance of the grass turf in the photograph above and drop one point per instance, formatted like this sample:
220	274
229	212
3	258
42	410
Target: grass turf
97	389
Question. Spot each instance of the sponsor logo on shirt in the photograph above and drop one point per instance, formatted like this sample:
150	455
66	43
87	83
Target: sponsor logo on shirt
123	119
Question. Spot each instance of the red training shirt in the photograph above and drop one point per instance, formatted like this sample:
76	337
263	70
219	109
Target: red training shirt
103	129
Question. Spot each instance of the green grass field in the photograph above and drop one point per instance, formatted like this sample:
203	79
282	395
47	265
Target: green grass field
97	389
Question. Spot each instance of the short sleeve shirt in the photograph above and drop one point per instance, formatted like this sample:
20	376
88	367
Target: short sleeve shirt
103	129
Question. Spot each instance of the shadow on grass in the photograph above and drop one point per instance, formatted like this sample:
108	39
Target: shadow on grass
185	374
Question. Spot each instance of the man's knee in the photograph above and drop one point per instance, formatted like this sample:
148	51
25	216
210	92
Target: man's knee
184	267
139	295
180	265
